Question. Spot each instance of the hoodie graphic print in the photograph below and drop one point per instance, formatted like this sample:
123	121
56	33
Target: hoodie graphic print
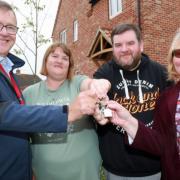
139	95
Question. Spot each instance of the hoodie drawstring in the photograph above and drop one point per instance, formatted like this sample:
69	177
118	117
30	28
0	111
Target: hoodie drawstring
126	87
139	88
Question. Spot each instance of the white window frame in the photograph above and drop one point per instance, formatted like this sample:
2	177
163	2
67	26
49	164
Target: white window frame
75	30
115	8
63	36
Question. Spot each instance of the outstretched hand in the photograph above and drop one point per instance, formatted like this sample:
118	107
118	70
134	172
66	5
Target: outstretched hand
100	87
84	104
120	114
122	117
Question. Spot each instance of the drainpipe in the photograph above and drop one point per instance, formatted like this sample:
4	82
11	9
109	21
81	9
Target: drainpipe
139	13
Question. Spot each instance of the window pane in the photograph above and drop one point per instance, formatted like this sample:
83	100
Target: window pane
63	37
119	5
115	7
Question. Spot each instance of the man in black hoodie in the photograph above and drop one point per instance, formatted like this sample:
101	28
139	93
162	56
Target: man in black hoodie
136	82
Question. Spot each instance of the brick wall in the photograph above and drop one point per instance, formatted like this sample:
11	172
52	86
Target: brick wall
159	20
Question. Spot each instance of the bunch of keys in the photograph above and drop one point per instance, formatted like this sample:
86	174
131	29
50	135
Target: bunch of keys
104	110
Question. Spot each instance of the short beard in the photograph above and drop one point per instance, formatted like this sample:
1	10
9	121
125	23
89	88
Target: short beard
134	65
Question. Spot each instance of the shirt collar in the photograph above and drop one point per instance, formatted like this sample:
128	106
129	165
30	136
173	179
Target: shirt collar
6	63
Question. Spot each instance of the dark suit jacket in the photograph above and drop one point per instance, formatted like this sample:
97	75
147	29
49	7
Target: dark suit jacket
161	139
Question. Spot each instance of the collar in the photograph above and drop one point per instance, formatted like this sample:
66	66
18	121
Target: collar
137	65
6	63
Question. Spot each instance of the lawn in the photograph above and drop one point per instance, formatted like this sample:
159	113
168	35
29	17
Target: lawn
102	175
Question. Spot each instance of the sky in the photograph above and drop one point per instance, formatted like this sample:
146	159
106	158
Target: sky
46	19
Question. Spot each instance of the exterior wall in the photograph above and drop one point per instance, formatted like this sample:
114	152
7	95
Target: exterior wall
159	20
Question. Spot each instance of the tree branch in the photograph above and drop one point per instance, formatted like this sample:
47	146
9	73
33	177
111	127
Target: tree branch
26	45
22	52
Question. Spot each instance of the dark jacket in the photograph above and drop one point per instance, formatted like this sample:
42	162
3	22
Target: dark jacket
143	86
15	121
161	140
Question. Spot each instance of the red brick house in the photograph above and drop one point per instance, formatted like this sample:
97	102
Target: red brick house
85	26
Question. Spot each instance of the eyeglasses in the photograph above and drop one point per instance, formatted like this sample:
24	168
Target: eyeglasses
10	29
176	53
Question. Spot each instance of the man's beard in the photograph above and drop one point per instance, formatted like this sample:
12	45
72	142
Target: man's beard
135	62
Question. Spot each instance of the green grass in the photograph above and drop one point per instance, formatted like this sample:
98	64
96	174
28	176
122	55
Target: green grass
102	175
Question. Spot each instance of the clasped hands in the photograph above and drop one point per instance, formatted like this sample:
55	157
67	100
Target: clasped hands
87	100
93	101
87	103
96	102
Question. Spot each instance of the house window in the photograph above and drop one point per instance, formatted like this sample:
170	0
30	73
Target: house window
115	8
63	36
75	29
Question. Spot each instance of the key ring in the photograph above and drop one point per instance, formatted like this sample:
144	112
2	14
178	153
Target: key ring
105	112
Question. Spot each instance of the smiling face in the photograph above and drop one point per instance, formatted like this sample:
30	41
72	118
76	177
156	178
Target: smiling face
7	17
57	65
127	49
